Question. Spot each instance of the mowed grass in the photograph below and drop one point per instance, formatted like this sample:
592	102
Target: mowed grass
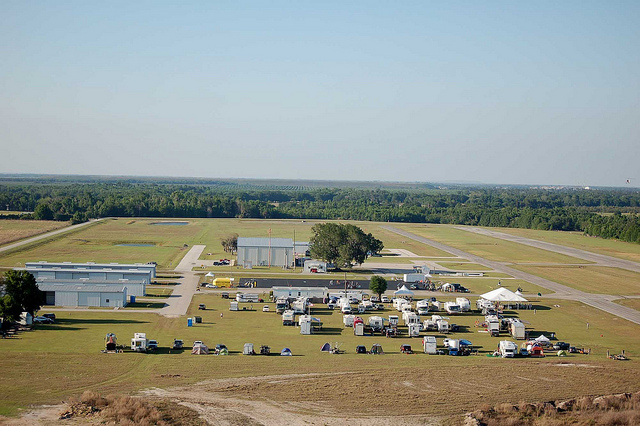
463	266
15	230
487	247
484	285
630	303
592	279
64	359
609	247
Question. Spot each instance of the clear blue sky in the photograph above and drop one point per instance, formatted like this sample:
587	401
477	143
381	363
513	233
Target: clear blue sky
540	92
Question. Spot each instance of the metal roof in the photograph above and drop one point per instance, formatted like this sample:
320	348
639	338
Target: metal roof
93	271
82	288
85	281
264	242
92	264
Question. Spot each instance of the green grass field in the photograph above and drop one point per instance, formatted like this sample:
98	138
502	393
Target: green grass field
64	359
609	247
463	266
15	230
592	279
487	247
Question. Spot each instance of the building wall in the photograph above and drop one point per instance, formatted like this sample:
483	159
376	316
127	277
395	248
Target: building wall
92	275
259	256
66	298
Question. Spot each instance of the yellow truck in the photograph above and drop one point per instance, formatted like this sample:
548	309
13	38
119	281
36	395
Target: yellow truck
223	282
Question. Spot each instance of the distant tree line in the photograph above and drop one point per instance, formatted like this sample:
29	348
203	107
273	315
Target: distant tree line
606	213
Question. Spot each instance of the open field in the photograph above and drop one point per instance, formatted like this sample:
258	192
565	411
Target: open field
15	230
608	247
64	358
463	266
487	247
164	291
592	279
631	303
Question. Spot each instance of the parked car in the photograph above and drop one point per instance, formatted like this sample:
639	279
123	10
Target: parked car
384	299
265	308
178	343
375	299
561	346
202	307
50	316
42	320
211	286
152	345
379	307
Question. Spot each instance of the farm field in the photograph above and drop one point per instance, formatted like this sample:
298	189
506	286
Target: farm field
64	359
592	279
15	230
487	247
608	247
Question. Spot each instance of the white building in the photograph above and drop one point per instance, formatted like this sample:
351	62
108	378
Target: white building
295	292
134	288
90	274
84	295
151	268
265	252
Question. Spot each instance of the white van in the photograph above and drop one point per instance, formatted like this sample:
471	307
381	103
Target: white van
507	348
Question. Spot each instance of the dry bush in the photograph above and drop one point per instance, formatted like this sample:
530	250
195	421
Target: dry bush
583	404
505	408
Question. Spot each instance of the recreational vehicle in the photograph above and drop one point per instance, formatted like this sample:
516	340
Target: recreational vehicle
493	325
376	323
452	308
139	342
288	317
393	320
410	318
507	348
414	329
437	305
281	304
348	320
430	345
299	305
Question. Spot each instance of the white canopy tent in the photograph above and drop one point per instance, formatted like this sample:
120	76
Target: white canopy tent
403	291
503	295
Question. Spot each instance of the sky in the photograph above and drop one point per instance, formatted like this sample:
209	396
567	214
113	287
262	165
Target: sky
506	92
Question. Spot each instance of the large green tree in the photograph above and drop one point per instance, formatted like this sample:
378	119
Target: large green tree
343	245
378	285
21	294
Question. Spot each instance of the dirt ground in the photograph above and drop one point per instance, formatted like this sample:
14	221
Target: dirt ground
415	396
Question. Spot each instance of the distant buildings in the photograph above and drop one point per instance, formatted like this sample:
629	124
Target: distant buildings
269	252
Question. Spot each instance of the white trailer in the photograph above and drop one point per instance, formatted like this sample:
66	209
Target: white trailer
465	304
358	329
414	278
430	345
299	305
233	306
414	330
139	342
517	329
438	305
410	318
281	304
304	321
348	320
443	326
376	323
507	348
353	296
393	320
247	298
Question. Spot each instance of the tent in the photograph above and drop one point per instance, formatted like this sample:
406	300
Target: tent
376	349
403	291
542	340
286	352
210	274
223	351
361	349
502	295
200	350
248	349
326	347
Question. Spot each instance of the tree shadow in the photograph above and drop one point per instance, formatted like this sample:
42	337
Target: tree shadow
77	321
151	305
328	331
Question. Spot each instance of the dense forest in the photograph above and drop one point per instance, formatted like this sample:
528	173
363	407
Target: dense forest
607	213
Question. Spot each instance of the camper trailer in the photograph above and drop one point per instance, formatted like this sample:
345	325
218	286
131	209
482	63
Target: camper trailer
358	328
443	326
493	325
437	305
507	349
452	308
139	342
376	323
414	329
517	329
422	306
233	306
348	320
247	298
463	302
305	324
393	320
288	317
410	318
299	306
430	345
